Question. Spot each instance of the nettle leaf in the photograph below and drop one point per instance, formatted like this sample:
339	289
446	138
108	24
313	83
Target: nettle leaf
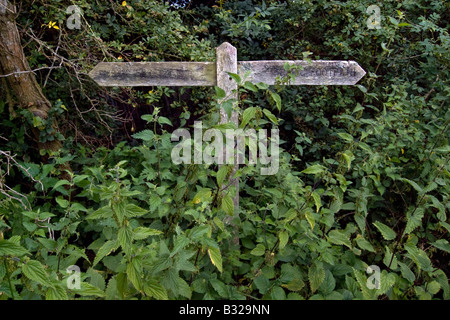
386	232
220	93
145	135
57	292
35	271
442	244
87	289
270	116
216	257
262	283
339	237
141	233
314	169
406	272
221	175
415	220
413	184
317	201
105	250
125	238
419	257
9	248
154	289
347	137
133	210
259	250
248	115
219	287
102	213
135	272
316	275
276	97
364	244
283	236
228	205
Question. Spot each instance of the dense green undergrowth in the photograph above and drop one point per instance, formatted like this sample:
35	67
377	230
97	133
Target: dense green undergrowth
363	177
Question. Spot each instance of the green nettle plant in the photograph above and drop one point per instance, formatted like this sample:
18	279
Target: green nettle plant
357	210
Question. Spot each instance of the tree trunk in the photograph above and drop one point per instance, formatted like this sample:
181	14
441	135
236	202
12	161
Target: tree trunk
21	81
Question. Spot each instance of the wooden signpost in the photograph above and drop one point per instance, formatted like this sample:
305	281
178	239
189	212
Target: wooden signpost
138	74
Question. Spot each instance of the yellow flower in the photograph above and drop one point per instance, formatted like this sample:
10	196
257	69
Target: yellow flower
51	24
120	58
124	4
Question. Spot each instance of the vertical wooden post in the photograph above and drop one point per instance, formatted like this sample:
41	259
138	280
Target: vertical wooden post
226	56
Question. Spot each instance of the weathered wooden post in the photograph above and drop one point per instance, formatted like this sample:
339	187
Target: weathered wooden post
321	72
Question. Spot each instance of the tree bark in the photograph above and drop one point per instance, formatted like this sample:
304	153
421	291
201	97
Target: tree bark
20	80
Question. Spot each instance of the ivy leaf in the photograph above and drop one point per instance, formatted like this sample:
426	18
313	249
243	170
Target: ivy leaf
386	232
216	257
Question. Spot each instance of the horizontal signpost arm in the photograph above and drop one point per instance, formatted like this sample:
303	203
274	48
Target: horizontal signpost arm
318	72
145	74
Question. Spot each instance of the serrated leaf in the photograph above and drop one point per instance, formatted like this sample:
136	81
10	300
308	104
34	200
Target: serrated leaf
87	289
415	220
216	257
364	244
339	237
386	232
220	93
259	250
102	213
283	236
345	136
235	77
133	210
310	218
164	120
35	271
248	115
105	250
316	275
9	248
145	135
317	201
153	289
56	293
270	116
250	86
413	184
406	272
221	175
442	244
219	287
314	169
125	237
276	97
419	257
228	205
141	233
135	273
